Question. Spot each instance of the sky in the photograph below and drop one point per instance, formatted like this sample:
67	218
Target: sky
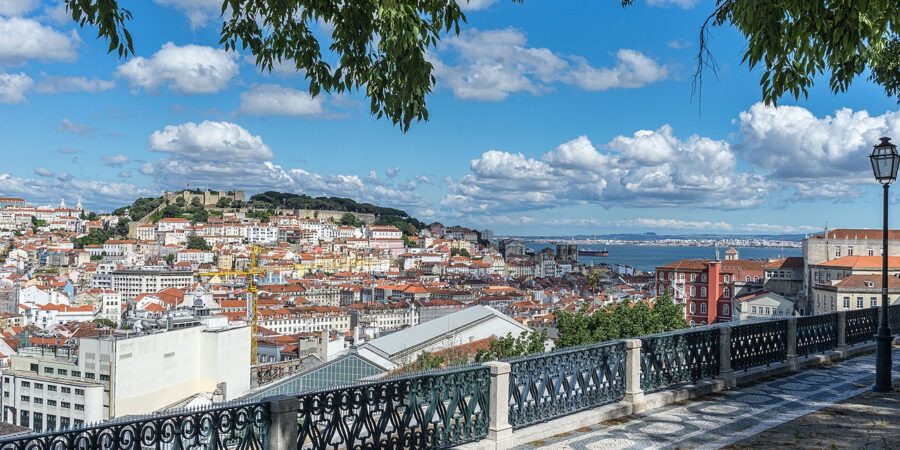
549	117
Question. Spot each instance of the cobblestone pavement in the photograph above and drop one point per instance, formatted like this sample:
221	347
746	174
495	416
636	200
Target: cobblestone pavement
725	418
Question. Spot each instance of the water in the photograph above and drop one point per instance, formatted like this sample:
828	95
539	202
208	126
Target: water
647	258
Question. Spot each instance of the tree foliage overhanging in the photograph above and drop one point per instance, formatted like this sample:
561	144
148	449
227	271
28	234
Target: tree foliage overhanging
380	47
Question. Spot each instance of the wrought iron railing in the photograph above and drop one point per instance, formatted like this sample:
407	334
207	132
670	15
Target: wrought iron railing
862	324
894	318
677	358
431	410
758	344
817	334
559	383
236	426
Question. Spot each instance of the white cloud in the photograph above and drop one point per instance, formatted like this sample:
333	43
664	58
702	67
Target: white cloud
13	87
115	160
26	39
198	12
50	187
475	5
491	65
793	144
57	14
67	126
684	4
191	69
210	141
678	44
57	85
647	169
270	99
17	8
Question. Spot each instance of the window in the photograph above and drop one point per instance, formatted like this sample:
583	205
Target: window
79	407
756	279
859	302
727	279
77	423
846	302
849	250
89	375
38	401
726	310
26	384
703	291
76	373
726	293
873	302
104	377
23	419
693	291
63	423
871	251
748	278
51	422
26	398
693	277
79	391
48	370
753	310
38	422
62	372
65	405
693	308
51	402
837	251
65	390
34	368
51	387
703	308
703	277
39	385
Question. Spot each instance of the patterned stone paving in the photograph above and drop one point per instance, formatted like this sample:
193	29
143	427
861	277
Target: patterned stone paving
724	418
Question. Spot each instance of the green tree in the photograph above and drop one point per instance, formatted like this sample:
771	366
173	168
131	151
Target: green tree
169	259
623	320
794	41
105	322
195	242
460	252
508	346
378	47
223	202
348	219
122	227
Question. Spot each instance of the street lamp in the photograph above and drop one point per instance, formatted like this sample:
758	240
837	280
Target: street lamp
885	162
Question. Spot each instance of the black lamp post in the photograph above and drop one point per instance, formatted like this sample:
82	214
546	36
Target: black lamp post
885	162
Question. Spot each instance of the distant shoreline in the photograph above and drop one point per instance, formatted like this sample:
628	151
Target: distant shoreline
754	243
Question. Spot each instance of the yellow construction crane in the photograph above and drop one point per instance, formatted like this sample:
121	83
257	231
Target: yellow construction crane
251	289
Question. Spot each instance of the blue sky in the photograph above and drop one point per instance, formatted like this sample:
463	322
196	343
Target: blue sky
548	118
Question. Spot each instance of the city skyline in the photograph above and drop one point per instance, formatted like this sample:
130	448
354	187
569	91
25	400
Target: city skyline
538	124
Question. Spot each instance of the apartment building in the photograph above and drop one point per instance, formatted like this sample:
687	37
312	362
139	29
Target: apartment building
708	288
851	282
385	316
125	374
301	319
131	283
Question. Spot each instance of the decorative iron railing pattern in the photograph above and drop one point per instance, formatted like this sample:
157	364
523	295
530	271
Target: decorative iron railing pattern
546	386
432	410
678	358
242	426
758	344
817	334
894	318
862	324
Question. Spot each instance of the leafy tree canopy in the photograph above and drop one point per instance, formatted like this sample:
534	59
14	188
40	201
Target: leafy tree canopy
197	243
623	320
380	47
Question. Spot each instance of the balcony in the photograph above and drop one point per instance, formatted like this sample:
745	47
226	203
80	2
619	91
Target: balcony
703	387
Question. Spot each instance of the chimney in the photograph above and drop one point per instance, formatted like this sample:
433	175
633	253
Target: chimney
323	345
713	292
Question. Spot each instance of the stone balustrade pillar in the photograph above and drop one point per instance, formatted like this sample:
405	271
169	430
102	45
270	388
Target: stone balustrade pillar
633	392
792	343
283	428
499	430
842	334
